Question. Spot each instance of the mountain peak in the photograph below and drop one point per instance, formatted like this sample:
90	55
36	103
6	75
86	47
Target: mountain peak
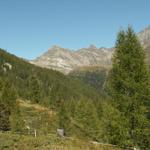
92	47
55	47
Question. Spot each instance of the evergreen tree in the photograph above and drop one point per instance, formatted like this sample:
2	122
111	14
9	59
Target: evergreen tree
113	126
128	84
34	89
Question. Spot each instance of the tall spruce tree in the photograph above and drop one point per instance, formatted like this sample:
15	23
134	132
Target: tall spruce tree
128	85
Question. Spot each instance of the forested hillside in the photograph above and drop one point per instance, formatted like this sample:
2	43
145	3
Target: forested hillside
41	85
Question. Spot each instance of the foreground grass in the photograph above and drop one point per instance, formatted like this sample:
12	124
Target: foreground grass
10	141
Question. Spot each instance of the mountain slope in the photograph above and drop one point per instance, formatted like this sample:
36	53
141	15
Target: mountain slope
94	76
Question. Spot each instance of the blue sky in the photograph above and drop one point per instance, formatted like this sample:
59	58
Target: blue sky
29	27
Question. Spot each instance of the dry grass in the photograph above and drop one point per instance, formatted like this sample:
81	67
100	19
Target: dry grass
37	107
9	141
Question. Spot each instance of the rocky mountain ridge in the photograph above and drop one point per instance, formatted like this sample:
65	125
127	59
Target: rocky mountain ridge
66	60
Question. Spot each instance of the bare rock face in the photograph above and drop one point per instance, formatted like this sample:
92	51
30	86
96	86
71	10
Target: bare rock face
56	58
65	60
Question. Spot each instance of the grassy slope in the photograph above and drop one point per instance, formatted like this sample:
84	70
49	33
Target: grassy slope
38	118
